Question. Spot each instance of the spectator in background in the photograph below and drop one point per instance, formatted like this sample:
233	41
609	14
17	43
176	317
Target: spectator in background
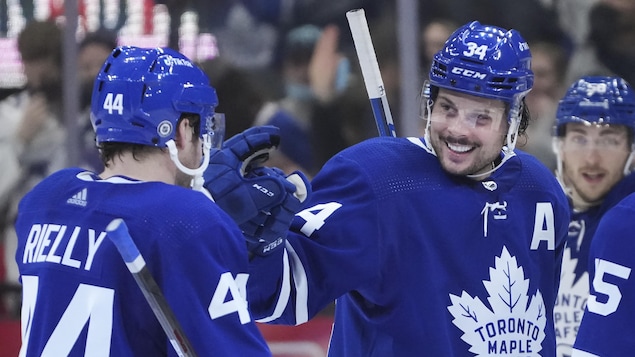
342	115
613	34
297	52
549	63
33	134
92	53
246	103
608	47
433	38
323	92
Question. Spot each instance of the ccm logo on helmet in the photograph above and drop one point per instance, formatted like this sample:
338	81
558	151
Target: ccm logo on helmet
468	73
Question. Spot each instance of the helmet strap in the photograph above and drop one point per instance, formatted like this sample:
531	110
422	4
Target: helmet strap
426	135
195	173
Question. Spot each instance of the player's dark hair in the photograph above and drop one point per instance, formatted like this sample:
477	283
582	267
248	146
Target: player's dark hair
110	150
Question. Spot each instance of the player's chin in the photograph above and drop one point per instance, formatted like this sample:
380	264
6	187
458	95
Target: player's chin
454	167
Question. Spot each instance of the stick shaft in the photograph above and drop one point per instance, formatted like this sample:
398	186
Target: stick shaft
370	71
118	234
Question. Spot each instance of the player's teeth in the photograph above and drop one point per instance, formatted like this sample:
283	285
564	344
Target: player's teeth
459	148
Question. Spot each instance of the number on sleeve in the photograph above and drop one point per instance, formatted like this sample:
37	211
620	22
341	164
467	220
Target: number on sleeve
221	305
604	267
314	221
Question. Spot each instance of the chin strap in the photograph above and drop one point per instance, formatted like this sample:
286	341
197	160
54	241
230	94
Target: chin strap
197	174
426	135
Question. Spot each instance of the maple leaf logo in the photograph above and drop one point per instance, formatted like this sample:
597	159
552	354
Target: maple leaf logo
514	325
569	308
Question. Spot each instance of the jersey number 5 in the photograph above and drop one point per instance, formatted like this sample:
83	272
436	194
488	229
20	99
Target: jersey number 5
602	268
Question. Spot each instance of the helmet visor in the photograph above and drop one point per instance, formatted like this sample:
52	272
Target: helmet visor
586	136
214	127
460	110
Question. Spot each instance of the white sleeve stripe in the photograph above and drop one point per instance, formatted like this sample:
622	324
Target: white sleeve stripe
301	287
580	353
285	291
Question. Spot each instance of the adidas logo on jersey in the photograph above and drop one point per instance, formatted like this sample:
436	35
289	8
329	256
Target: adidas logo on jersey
78	199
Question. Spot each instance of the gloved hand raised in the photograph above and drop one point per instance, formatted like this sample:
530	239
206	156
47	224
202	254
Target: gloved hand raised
276	198
262	200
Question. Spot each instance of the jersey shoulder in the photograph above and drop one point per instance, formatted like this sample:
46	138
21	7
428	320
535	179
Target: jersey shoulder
77	192
386	164
536	176
622	189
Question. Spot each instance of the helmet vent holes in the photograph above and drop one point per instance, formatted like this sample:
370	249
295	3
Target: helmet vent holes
436	72
107	68
154	63
143	92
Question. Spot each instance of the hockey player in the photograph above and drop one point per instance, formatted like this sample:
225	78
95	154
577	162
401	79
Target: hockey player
447	245
595	123
607	328
154	115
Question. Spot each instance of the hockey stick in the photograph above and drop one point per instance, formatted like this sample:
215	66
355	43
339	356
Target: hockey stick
118	234
370	71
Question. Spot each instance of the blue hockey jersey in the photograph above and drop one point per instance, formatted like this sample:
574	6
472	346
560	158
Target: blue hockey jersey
607	328
422	263
574	280
79	299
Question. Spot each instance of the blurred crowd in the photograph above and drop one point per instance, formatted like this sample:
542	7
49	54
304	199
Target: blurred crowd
290	64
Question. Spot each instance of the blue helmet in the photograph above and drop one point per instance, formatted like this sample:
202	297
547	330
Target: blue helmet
140	94
484	61
597	100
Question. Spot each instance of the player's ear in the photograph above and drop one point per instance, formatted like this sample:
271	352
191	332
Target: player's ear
184	132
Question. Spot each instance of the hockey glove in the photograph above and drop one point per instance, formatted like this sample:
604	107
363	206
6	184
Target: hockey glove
261	200
278	199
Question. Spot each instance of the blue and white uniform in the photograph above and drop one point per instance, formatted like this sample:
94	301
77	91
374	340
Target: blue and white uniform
422	263
574	280
80	299
607	325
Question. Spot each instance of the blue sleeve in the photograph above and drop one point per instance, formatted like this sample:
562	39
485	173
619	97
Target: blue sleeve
606	328
343	228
